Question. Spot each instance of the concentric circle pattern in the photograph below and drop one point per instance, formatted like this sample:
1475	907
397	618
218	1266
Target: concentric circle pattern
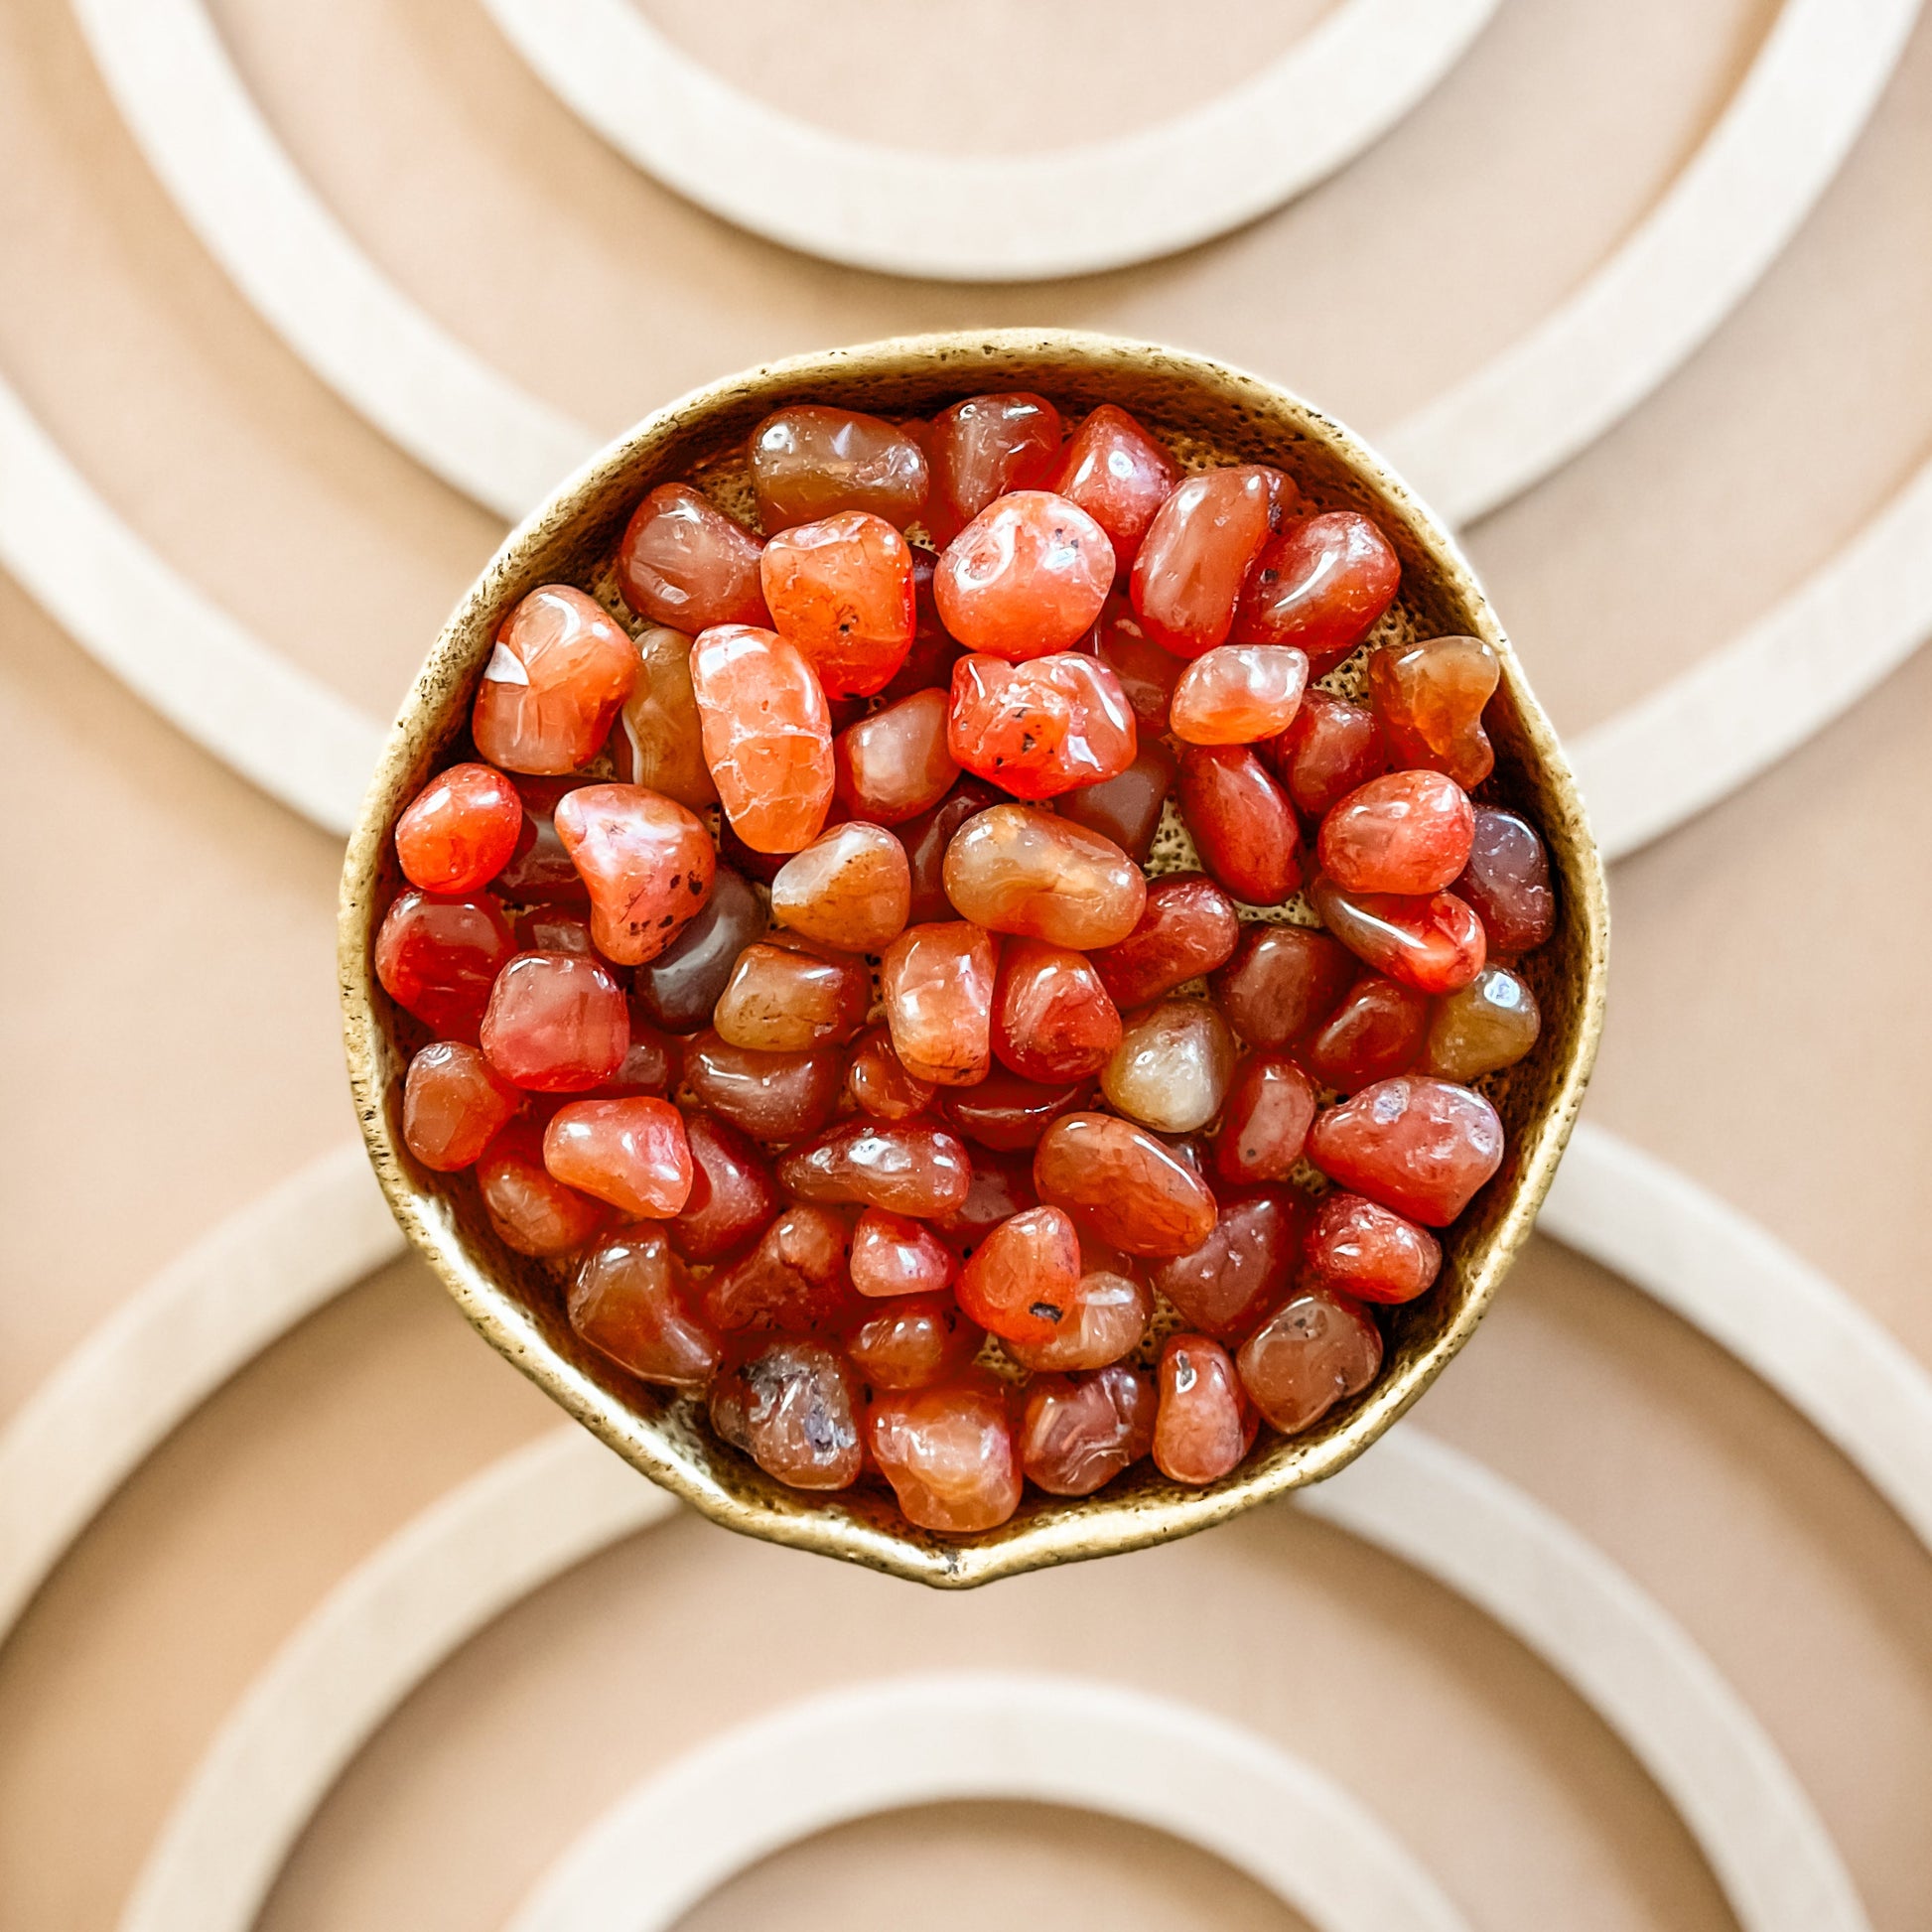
312	1618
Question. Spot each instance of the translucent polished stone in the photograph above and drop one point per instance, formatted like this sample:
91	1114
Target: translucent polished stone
1189	572
983	448
949	1452
1127	808
1269	1109
531	1210
841	589
1428	697
454	1103
1124	1186
851	888
1006	1113
1052	1019
1187	929
1025	577
1201	1428
678	989
1148	671
904	1167
767	735
796	1408
892	1254
1172	1067
1507	881
926	838
461	830
1237	694
812	460
657	740
561	667
732	1197
1488	1025
646	860
1106	1320
1404	832
1017	870
438	958
1019	1284
1243	825
1332	747
1419	1146
1309	1354
540	868
929	662
894	765
555	928
877	1083
682	562
1243	1268
1040	728
1281	981
632	1300
936	983
1119	474
1002	1185
1435	944
1320	586
1077	1433
1359	1247
912	1341
782	999
652	1062
1377	1031
773	1097
631	1153
794	1280
555	1022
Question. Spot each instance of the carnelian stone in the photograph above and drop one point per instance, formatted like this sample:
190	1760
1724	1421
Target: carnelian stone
1237	694
1435	944
647	861
892	1254
1309	1355
1244	1266
652	1063
733	1196
1377	1031
555	928
879	1083
851	888
1125	1187
912	1341
555	1022
684	563
1361	1248
1002	1185
1148	671
811	461
983	448
796	1279
454	1103
1106	1320
438	958
1172	1067
796	1408
561	667
1187	929
929	662
657	741
1188	573
904	1167
1321	586
531	1210
1281	981
1043	727
936	983
461	830
1429	697
1052	1019
1025	577
768	735
926	838
1006	1113
1119	474
1407	832
1243	825
631	1153
1014	868
1419	1146
949	1452
1488	1025
1201	1428
1332	747
632	1299
784	1000
895	764
1507	881
541	867
1019	1284
1077	1434
1127	808
772	1096
1269	1109
679	988
841	589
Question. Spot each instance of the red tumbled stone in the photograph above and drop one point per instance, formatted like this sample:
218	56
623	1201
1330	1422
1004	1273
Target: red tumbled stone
1429	697
1119	474
1320	586
1124	1186
1015	869
1306	1357
1189	572
796	1408
796	1279
893	1255
1435	944
561	668
647	861
1243	825
1282	981
1419	1146
912	1341
1025	577
1377	1031
682	562
557	1023
767	735
1265	1127
632	1300
841	589
903	1167
1361	1248
454	1103
1201	1426
1078	1433
1187	929
770	1096
732	1197
1041	729
461	830
438	958
949	1452
936	983
631	1153
1020	1281
1406	832
1507	881
1244	1266
531	1210
1053	1017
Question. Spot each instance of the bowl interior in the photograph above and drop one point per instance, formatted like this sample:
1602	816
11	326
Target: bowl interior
1209	414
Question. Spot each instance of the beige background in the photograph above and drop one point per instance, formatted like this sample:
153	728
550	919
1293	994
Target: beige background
169	1033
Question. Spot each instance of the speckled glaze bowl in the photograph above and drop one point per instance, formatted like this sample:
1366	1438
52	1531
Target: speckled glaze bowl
1211	414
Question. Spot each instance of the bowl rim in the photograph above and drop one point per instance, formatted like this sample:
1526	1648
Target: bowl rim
1086	1527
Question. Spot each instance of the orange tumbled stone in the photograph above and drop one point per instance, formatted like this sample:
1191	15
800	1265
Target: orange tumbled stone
1201	1428
1243	1268
1187	927
904	1167
1243	825
912	1341
796	1409
784	999
949	1452
1192	564
812	460
531	1210
682	562
1360	1247
851	888
936	981
879	1083
454	1103
657	741
1014	868
1419	1146
794	1280
1041	729
1428	697
892	1254
1237	694
557	1023
1377	1031
561	667
983	448
438	957
1025	577
631	1153
461	830
773	1097
1077	1434
1123	1186
895	764
646	860
1106	1320
1333	746
1052	1019
841	589
1435	944
1404	832
1119	474
1019	1284
767	735
1321	586
632	1299
1311	1353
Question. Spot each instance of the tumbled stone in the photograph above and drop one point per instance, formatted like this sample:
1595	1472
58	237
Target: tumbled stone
1377	1031
796	1409
1309	1355
894	764
1202	1428
1359	1247
912	1341
632	1300
1244	1266
892	1254
905	1168
1406	832
1488	1025
1025	577
767	735
851	888
841	589
812	460
647	861
1126	808
1243	825
773	1097
983	448
652	1063
1237	694
1435	944
1019	1283
732	1197
682	562
794	1280
1321	586
1428	697
1015	869
1269	1109
1147	672
1105	1322
678	989
1123	1186
1189	572
877	1083
1052	1018
555	1022
1187	929
559	668
1042	729
1002	1185
1507	881
949	1452
531	1210
1172	1067
631	1153
454	1103
1282	981
541	867
1332	747
658	737
1078	1433
1119	474
1006	1113
784	999
1419	1146
438	958
936	985
461	830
